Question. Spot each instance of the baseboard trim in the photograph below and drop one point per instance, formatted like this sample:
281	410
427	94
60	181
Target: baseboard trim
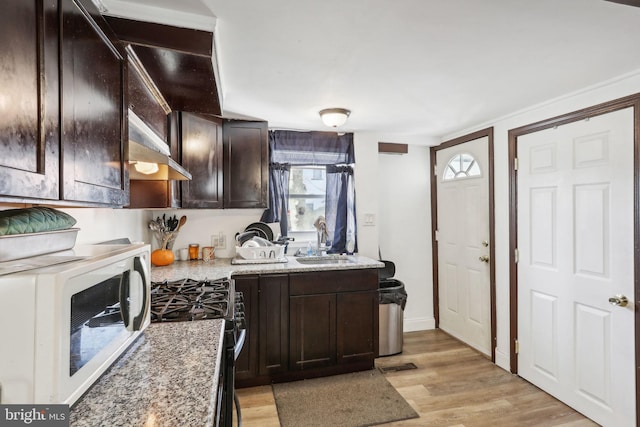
419	324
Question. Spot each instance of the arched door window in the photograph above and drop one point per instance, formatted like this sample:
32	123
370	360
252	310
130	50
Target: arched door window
461	166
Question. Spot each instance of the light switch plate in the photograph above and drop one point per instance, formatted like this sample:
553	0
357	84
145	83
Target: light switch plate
369	219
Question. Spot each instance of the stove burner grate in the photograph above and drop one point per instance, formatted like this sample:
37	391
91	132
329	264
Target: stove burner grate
190	299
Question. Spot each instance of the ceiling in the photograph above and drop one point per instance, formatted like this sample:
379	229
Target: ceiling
419	68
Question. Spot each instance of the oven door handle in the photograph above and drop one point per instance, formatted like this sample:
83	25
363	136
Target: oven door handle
239	343
125	283
139	318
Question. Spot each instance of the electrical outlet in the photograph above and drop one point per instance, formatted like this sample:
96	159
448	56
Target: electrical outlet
222	241
215	241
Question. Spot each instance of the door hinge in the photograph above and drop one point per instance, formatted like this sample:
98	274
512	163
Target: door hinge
437	235
516	255
516	164
517	347
435	169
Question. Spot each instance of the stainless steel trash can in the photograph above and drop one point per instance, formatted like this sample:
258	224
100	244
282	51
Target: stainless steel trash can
391	316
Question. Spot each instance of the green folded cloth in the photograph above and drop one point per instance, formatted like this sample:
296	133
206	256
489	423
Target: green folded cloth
33	220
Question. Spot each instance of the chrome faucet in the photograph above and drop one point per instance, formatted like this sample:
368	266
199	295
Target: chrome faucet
322	239
321	228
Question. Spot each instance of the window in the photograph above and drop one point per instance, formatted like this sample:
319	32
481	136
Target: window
461	166
307	196
311	175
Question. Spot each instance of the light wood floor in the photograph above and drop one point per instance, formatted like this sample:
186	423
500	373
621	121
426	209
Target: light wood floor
454	386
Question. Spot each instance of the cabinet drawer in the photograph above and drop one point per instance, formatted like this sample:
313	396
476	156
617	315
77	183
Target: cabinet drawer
324	282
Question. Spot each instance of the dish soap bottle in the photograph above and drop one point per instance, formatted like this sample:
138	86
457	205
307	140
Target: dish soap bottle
309	249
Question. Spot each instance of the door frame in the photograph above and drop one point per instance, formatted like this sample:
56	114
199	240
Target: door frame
488	132
596	110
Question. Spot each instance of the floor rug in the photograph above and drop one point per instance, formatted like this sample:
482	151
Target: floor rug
357	399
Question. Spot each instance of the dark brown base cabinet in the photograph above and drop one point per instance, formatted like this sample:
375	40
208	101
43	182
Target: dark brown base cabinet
313	331
266	302
306	325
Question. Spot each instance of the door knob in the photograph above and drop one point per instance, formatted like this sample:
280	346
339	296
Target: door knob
485	243
619	300
485	258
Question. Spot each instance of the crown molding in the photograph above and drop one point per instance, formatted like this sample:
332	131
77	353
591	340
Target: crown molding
158	15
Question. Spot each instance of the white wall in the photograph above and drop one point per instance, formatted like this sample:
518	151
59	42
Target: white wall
607	91
366	183
405	229
101	224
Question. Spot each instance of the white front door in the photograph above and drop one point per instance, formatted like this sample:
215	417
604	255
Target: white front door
463	243
575	245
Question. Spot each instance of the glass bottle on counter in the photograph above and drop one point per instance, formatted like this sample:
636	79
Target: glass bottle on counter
194	248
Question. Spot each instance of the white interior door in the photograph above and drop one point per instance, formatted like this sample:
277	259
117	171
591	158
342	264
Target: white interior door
575	243
463	243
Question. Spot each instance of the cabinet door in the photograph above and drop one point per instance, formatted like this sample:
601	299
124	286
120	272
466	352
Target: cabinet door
246	164
312	331
29	137
144	98
93	115
357	337
274	324
202	156
247	361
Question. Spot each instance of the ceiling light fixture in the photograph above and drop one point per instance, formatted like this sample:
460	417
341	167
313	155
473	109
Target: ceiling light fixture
334	117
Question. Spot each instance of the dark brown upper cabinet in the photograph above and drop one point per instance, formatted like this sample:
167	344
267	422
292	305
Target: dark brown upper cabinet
181	62
62	133
202	156
246	164
29	136
228	161
145	99
93	108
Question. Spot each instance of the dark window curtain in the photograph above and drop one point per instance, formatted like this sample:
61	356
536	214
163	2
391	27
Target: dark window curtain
310	148
278	196
292	148
340	206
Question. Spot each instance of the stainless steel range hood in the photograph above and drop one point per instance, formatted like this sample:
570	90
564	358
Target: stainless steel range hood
149	155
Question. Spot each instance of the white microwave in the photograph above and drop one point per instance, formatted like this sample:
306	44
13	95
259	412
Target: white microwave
62	326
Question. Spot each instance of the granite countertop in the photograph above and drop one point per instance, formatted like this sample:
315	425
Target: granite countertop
222	268
168	377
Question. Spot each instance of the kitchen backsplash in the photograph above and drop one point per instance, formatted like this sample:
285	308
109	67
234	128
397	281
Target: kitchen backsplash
204	224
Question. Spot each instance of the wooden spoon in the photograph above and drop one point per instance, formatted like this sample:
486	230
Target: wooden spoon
183	219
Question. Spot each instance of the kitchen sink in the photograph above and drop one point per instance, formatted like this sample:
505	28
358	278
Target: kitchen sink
326	259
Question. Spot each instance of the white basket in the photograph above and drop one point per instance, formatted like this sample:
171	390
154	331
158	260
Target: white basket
261	252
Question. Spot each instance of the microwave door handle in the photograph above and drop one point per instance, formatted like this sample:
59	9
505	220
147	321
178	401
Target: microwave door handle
124	297
139	318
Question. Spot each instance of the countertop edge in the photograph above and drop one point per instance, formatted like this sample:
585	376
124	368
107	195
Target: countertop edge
222	268
211	413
